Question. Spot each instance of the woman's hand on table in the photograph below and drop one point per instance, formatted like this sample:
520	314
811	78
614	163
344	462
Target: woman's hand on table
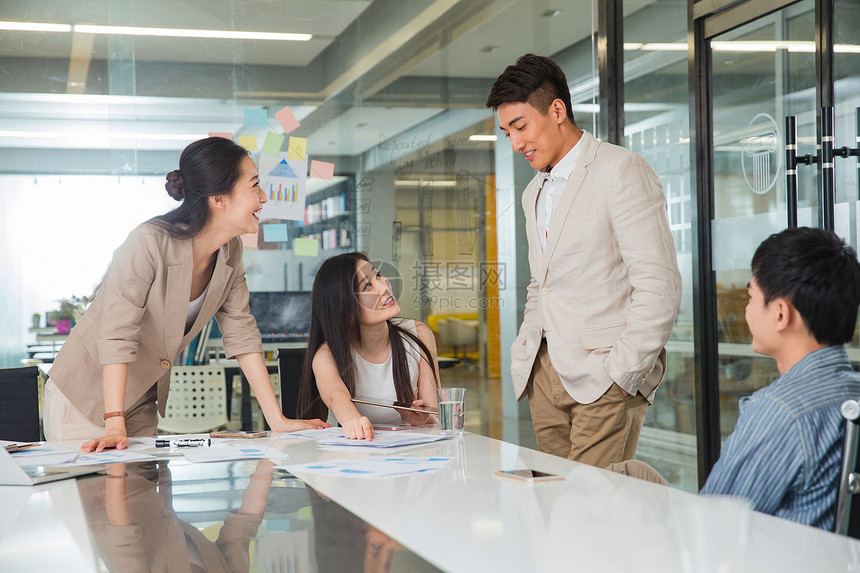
416	418
113	440
288	425
358	428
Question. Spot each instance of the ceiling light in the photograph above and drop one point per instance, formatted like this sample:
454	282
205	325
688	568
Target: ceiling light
488	49
189	33
424	183
632	45
479	137
734	46
551	13
665	47
846	49
35	27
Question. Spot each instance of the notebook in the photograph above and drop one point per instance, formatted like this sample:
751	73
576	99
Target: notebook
13	474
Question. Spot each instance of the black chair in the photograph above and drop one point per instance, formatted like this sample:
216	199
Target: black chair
290	364
848	513
19	404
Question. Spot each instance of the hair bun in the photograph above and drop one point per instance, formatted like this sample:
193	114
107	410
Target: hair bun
175	185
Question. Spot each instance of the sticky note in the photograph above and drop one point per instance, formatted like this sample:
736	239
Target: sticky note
249	240
322	169
298	148
286	118
275	233
223	134
255	116
249	142
273	144
306	247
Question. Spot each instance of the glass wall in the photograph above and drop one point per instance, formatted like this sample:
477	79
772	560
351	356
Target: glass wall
657	122
846	64
378	115
762	72
369	129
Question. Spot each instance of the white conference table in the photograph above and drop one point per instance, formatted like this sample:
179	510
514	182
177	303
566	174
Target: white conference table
463	519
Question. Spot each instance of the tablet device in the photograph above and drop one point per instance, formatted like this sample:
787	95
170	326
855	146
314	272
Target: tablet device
393	404
529	475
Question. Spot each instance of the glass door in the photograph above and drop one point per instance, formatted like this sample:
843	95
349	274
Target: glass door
762	72
846	91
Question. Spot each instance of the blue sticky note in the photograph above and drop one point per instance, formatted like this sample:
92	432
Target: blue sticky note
276	233
256	116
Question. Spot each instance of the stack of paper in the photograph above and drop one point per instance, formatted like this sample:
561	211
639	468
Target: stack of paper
370	467
384	440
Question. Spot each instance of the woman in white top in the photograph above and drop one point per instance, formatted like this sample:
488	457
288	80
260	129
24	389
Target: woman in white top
358	348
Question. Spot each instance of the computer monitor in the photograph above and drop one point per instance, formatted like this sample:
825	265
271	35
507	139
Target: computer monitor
282	316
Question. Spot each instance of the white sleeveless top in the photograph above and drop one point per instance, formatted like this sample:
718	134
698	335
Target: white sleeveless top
377	380
194	309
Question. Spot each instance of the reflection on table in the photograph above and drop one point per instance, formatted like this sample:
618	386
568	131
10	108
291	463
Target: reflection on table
459	519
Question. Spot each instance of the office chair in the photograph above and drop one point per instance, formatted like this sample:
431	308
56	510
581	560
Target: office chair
19	404
197	402
290	364
848	513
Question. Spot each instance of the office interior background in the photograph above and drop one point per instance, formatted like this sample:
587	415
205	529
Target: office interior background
95	110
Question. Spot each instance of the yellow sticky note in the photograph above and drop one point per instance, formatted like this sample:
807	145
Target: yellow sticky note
273	143
306	247
249	142
298	148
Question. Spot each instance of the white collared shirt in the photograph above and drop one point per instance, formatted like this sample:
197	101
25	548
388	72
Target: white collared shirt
552	190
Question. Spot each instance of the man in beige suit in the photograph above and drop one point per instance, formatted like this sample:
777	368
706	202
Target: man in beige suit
605	286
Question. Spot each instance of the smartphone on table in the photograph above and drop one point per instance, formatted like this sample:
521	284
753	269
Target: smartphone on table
529	476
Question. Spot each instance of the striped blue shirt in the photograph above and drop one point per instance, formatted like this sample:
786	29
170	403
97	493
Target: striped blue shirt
785	452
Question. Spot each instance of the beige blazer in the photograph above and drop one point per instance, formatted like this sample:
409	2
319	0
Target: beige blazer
138	317
607	288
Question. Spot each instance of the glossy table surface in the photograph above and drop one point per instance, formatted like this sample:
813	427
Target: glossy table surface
460	518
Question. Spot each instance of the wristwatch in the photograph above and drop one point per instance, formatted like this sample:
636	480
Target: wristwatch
107	415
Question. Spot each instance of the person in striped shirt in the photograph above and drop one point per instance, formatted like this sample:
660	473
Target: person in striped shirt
785	452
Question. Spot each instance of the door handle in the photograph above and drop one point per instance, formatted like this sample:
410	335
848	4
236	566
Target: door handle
792	160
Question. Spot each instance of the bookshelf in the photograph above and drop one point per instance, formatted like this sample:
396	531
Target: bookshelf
329	217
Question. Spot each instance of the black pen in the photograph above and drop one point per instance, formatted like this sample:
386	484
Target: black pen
183	443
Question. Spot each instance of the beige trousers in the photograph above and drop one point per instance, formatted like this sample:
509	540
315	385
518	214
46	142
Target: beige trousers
63	421
639	470
603	432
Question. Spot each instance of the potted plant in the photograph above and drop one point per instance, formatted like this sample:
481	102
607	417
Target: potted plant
36	320
71	309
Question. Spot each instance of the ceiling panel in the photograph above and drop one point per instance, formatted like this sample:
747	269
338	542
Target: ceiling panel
325	19
360	128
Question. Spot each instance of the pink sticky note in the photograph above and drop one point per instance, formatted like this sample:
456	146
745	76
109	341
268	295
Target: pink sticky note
322	169
249	240
223	134
287	119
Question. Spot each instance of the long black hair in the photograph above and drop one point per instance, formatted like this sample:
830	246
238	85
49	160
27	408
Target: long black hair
207	167
336	320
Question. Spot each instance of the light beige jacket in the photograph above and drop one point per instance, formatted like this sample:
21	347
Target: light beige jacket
138	317
607	288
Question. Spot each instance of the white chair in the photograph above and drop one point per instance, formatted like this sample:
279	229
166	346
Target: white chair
197	401
457	333
847	520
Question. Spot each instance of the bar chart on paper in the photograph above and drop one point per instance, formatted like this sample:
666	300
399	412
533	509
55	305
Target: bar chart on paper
283	181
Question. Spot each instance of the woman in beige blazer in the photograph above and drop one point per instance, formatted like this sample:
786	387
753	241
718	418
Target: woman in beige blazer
166	281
